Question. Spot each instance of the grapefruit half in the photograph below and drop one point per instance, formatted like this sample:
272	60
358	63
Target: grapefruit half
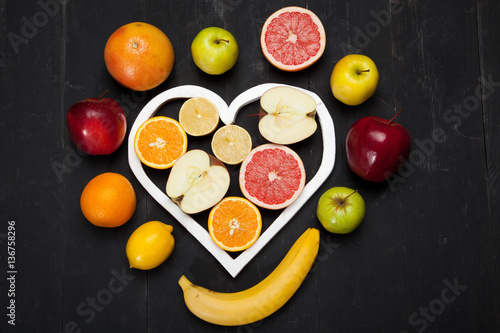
293	38
272	176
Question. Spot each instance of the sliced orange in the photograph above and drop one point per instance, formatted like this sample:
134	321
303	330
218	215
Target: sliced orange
159	142
231	144
198	116
234	224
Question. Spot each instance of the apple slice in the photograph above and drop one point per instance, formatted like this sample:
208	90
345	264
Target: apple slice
287	115
197	181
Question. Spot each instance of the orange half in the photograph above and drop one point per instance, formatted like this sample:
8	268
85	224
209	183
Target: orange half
159	142
234	224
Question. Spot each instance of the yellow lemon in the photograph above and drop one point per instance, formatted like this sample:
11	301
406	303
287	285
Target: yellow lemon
150	245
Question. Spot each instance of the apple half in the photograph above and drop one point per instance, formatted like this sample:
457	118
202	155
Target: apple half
287	115
197	181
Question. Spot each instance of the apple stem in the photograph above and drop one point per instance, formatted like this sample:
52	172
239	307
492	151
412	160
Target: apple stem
343	200
104	93
363	71
397	114
222	40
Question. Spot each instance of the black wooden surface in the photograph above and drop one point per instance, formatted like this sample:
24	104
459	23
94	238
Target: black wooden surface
423	260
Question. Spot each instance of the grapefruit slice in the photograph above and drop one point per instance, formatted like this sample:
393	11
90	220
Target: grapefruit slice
272	176
293	38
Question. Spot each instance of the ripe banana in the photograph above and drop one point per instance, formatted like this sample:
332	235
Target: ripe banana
261	300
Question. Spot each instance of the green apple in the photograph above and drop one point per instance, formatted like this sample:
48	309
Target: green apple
354	79
340	210
214	50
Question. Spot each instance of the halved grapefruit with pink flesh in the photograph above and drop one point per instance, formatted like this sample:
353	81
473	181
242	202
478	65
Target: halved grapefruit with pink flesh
272	176
293	38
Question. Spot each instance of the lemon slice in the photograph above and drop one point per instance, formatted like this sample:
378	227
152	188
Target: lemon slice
231	144
198	116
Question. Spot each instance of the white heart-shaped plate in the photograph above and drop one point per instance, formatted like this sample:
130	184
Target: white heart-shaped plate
228	116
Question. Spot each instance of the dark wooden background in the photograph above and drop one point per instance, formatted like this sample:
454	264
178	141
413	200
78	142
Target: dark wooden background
425	258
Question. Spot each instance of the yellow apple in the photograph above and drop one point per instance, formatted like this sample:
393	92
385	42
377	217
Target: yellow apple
214	50
354	79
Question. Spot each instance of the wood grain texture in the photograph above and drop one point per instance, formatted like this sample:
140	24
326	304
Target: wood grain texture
488	29
31	194
423	260
450	219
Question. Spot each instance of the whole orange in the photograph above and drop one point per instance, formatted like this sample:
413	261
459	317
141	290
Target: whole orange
108	200
139	56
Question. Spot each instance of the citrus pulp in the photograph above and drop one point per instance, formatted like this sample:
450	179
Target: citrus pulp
198	116
231	144
234	224
272	176
159	142
293	38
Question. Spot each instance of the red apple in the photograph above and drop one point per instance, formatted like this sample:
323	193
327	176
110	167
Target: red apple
376	148
97	126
